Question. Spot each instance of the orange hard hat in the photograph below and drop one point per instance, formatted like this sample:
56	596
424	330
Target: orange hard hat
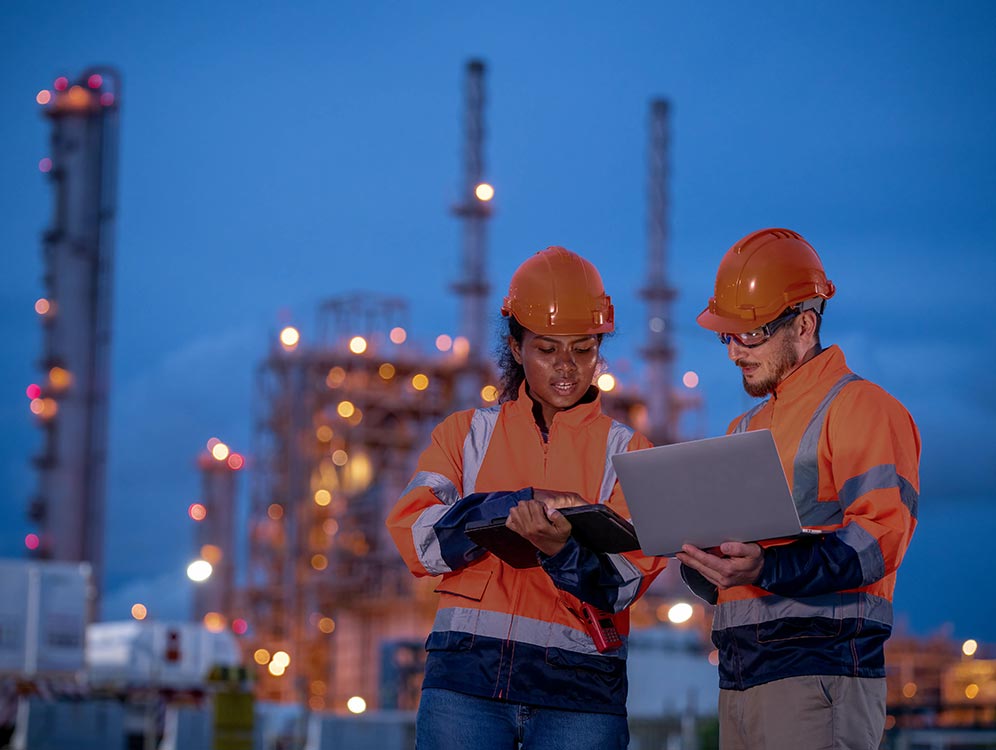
558	292
762	275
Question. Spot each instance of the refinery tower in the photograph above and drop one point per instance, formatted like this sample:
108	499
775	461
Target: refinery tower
70	399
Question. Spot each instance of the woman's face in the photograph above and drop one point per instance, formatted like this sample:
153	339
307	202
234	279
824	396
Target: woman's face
558	369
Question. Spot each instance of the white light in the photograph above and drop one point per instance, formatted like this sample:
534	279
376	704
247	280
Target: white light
656	325
356	705
606	382
199	570
484	192
679	613
290	337
969	647
690	379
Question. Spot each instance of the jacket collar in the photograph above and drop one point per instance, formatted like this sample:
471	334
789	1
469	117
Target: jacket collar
577	416
829	363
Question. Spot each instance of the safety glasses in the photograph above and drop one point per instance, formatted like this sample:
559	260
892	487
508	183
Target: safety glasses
758	336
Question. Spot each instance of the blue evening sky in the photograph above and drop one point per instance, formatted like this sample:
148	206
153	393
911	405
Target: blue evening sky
275	155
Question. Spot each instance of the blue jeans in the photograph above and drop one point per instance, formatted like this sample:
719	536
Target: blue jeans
453	721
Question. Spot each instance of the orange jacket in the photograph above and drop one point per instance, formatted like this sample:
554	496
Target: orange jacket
510	633
824	605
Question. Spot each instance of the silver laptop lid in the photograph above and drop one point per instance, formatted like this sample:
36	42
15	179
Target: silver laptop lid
706	492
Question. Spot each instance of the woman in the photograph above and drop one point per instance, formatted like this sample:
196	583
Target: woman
510	658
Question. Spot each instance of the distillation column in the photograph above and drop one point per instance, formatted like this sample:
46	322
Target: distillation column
474	210
76	320
659	348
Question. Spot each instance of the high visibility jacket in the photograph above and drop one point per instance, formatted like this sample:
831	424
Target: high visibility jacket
823	605
507	633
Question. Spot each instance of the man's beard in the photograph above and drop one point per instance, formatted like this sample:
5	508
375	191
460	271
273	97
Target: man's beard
783	361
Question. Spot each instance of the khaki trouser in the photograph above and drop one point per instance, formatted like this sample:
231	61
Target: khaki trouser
804	713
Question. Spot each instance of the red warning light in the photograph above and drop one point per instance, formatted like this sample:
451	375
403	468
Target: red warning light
31	541
107	98
235	461
239	626
33	391
45	165
197	511
95	81
61	83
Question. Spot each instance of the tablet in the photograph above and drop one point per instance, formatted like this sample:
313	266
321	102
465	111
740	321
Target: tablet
596	527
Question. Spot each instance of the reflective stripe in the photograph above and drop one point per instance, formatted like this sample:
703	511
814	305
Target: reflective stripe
869	552
632	578
616	442
441	487
504	626
832	606
746	418
475	445
805	470
883	476
426	541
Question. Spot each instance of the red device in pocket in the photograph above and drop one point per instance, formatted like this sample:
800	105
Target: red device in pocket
601	628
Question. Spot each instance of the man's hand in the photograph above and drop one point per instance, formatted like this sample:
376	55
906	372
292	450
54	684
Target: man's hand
738	564
544	527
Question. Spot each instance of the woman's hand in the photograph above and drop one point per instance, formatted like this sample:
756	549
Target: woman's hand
554	499
543	526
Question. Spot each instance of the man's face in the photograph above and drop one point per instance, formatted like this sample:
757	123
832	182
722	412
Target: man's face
559	369
763	367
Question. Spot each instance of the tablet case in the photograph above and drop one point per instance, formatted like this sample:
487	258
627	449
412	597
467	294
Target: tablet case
596	527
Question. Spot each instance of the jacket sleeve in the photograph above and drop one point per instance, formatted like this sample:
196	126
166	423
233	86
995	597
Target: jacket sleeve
428	520
873	449
610	581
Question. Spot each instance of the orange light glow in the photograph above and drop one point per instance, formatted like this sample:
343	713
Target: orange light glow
214	622
49	408
42	306
212	553
461	346
323	497
398	335
319	562
139	611
484	192
197	511
345	409
340	457
330	526
60	378
489	394
324	433
357	345
420	382
44	96
335	377
261	656
275	511
443	342
386	371
326	625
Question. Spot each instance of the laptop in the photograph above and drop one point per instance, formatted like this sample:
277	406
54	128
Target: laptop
706	492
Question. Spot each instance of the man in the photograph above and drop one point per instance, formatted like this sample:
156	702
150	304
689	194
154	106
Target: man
800	626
